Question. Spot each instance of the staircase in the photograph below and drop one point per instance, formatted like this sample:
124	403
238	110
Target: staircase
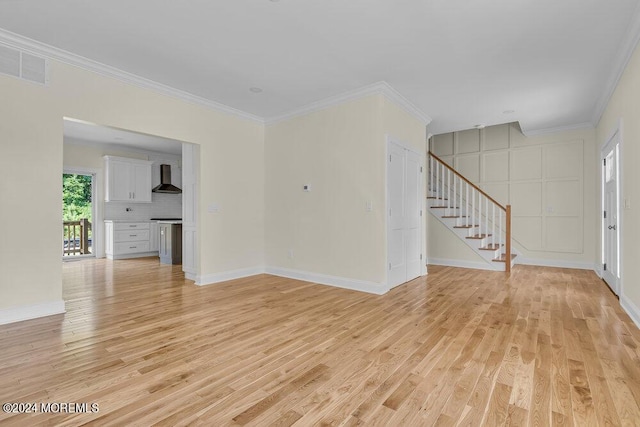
471	214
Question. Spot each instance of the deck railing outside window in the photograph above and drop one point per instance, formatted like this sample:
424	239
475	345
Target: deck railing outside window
75	235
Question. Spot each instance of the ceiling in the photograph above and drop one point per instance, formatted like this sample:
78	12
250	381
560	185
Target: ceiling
91	134
547	64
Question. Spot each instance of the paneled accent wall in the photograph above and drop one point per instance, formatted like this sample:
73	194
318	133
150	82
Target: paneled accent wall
542	180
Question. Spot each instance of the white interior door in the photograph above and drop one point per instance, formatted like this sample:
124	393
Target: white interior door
404	230
610	223
396	233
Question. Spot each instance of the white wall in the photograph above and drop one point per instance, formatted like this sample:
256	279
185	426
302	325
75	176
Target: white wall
549	180
31	138
625	105
340	152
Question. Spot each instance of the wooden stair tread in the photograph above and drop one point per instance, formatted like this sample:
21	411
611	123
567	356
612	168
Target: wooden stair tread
443	207
491	247
503	258
465	226
435	198
479	236
453	216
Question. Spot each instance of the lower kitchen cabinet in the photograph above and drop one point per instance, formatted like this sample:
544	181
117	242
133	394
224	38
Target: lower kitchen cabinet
130	239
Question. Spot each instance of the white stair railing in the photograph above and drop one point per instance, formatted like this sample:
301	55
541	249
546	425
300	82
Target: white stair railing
472	207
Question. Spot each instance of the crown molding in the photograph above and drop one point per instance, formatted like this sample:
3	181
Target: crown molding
34	47
545	131
627	47
379	88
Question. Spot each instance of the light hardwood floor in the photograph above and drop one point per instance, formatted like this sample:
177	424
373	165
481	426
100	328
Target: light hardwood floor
458	347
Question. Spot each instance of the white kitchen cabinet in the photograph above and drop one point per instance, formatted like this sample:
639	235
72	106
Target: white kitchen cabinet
130	239
127	180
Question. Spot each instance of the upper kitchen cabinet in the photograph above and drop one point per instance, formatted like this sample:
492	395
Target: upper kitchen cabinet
127	180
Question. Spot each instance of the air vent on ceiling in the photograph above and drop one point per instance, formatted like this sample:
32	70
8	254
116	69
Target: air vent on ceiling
23	65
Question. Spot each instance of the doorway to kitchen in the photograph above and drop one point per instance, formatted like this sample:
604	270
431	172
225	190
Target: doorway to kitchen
78	214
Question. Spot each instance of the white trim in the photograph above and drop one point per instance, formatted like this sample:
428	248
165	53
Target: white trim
519	260
210	279
632	310
374	89
35	47
621	215
579	265
133	255
26	312
477	265
28	45
617	133
323	279
565	128
598	270
627	47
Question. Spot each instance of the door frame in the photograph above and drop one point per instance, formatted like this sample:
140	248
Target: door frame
615	137
96	212
423	266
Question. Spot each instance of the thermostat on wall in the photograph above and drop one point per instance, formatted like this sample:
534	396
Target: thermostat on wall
306	187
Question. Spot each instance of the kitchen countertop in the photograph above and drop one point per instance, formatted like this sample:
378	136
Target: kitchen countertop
127	220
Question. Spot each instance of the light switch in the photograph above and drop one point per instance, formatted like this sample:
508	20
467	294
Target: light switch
369	206
306	187
627	203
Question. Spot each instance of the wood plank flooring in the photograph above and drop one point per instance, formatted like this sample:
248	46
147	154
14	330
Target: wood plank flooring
461	347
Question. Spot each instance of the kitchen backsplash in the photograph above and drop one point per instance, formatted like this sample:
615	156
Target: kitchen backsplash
162	206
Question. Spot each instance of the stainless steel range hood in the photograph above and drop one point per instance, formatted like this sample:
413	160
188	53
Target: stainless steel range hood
165	182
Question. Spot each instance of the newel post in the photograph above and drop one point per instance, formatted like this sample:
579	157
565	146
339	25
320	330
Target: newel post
84	238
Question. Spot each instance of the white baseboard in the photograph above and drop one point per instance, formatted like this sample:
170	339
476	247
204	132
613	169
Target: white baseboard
580	265
598	269
323	279
632	310
26	312
136	255
460	263
209	279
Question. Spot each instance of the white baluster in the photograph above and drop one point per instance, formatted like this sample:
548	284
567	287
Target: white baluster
449	189
431	176
479	213
443	181
466	220
452	180
493	226
473	207
436	180
461	183
486	216
500	230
